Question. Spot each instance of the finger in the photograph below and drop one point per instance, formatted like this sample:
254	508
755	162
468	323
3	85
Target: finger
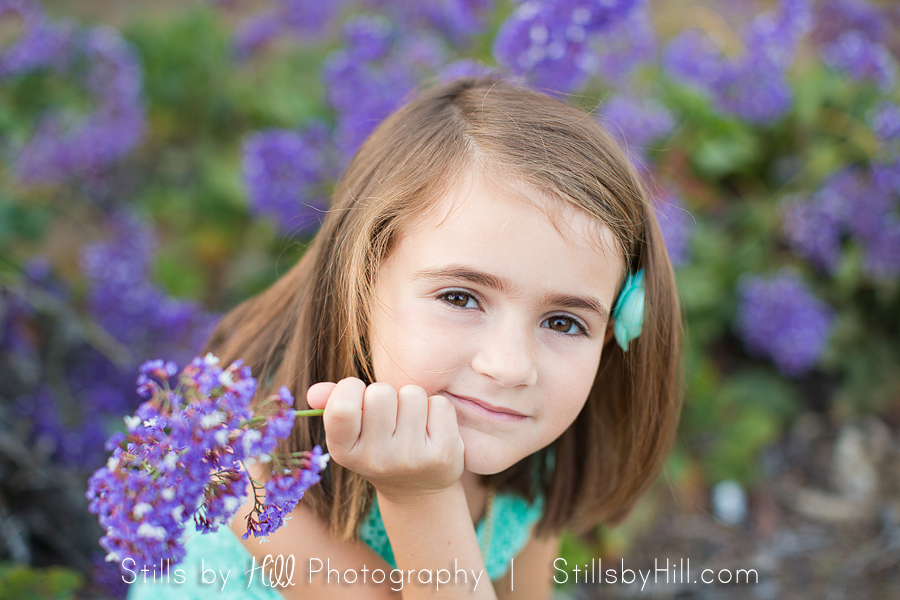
317	395
412	414
442	427
343	416
379	418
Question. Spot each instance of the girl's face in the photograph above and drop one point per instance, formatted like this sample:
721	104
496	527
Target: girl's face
485	302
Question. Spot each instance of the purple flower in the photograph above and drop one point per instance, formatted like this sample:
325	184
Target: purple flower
56	151
310	18
284	172
636	122
814	227
778	318
836	17
885	121
874	220
368	37
40	44
752	86
364	92
860	205
131	308
464	68
628	44
182	456
456	19
284	490
256	33
549	42
861	58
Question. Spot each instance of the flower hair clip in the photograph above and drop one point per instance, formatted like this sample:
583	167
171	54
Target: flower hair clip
629	310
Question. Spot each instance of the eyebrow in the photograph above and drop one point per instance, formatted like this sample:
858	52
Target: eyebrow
503	285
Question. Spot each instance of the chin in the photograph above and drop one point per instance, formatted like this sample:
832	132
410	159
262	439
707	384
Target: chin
484	458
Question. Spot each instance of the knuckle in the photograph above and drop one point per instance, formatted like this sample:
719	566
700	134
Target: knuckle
380	391
412	392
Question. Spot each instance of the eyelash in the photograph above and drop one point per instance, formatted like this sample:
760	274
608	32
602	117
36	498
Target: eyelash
576	322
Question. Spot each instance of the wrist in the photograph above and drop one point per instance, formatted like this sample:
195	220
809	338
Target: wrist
389	498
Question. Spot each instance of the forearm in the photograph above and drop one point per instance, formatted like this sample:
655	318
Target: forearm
433	540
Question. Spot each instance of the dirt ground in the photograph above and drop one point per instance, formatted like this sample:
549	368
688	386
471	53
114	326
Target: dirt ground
824	525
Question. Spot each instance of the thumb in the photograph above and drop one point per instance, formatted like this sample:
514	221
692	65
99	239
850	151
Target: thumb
317	395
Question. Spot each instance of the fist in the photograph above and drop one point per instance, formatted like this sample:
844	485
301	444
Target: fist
404	442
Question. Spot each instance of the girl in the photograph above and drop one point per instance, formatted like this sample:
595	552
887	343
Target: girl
455	318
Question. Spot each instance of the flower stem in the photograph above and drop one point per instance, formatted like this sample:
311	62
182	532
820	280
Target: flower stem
310	413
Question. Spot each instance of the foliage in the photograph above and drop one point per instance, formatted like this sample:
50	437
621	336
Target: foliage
155	177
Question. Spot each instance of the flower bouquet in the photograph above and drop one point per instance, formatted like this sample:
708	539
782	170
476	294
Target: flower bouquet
184	456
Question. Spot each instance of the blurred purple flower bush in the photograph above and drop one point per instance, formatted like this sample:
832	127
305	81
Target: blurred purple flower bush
157	175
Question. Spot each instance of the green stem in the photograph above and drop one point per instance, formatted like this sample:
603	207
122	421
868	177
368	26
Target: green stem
310	413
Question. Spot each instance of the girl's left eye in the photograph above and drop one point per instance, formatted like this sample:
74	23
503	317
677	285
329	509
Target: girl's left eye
564	324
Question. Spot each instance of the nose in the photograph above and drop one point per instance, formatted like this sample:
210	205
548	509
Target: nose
507	355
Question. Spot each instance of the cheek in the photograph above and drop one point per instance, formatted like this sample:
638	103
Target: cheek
412	348
569	386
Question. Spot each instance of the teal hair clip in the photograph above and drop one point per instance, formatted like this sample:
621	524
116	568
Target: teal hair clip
629	310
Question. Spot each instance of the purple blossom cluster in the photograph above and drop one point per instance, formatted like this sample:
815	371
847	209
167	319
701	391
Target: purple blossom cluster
636	123
752	86
778	318
127	305
40	45
885	122
852	36
65	404
183	458
862	59
369	77
551	42
307	20
59	149
626	45
285	173
861	206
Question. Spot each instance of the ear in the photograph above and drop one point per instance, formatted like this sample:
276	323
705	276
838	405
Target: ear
609	331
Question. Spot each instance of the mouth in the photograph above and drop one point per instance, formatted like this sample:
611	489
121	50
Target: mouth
484	409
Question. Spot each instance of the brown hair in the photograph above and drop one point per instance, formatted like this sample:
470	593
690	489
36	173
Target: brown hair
308	326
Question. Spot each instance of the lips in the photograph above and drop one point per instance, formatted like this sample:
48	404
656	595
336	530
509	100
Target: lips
486	409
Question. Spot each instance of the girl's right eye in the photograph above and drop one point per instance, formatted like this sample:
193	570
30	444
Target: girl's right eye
459	299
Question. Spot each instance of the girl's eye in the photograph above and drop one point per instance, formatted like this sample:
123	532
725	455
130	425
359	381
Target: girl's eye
460	299
565	325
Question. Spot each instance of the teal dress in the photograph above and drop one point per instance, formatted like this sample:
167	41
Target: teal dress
501	537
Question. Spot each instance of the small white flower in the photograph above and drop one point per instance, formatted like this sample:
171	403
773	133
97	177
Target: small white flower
112	463
250	436
170	461
221	437
231	503
141	509
226	379
538	34
212	419
580	16
177	512
146	530
167	494
132	422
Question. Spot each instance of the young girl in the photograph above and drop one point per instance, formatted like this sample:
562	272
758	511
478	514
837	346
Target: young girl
467	317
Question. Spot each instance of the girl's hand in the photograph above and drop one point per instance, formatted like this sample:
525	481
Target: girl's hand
405	443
